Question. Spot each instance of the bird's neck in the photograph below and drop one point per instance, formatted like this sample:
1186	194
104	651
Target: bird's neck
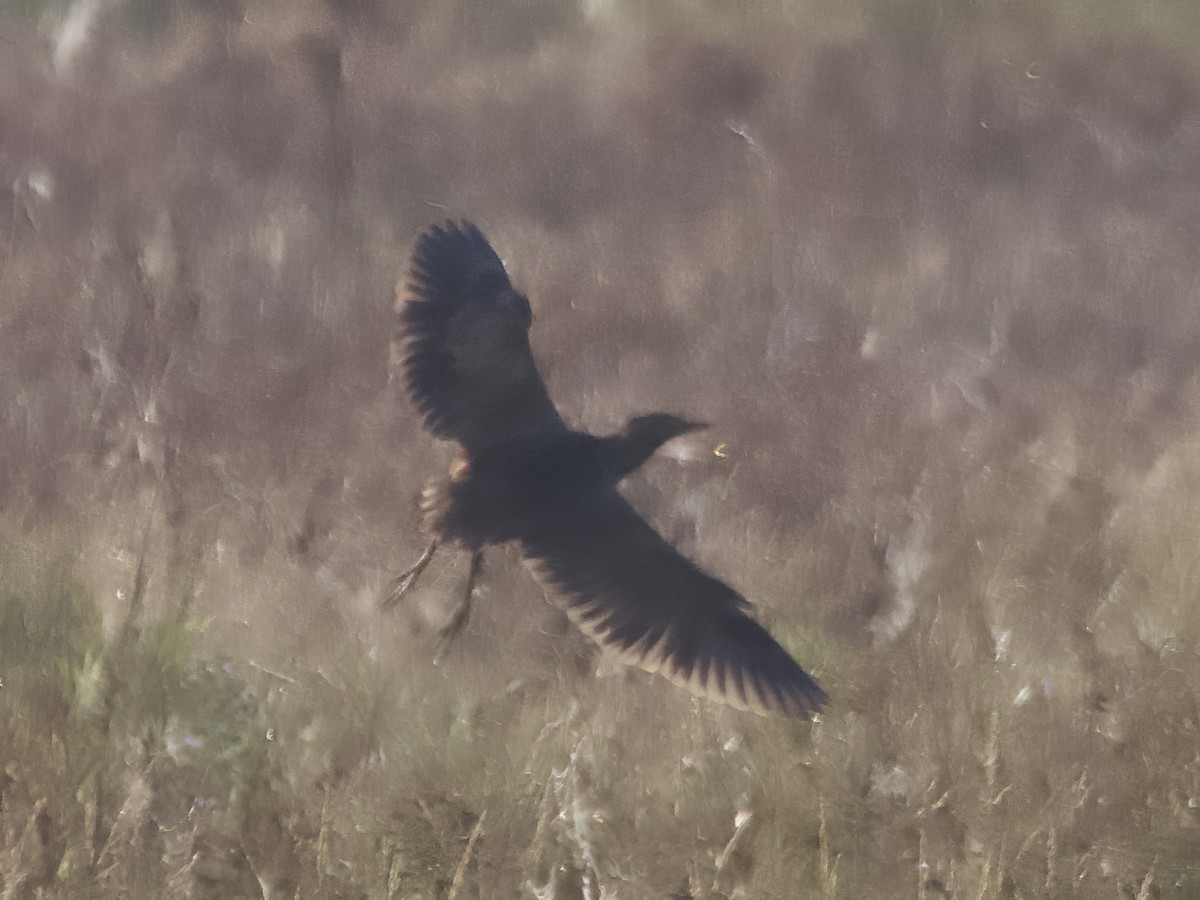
621	454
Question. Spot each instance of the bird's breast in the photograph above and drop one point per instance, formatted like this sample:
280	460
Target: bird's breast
506	494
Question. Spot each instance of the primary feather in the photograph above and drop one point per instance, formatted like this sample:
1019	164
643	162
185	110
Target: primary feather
633	593
464	336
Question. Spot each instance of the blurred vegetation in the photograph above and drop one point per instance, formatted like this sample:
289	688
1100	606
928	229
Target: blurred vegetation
928	267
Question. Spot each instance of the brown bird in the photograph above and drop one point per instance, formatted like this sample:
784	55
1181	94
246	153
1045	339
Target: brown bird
525	476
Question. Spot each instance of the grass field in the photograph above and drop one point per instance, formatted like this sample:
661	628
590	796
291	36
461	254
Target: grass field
928	268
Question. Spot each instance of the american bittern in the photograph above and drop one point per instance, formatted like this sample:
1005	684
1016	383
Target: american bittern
525	476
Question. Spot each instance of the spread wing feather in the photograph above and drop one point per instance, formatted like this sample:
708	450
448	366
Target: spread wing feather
464	340
631	592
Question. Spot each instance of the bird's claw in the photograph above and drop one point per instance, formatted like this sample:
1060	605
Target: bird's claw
395	591
453	628
402	583
399	586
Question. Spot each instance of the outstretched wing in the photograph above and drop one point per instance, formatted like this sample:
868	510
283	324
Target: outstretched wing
464	340
631	592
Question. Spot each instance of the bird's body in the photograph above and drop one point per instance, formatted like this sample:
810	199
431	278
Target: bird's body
515	489
512	485
525	477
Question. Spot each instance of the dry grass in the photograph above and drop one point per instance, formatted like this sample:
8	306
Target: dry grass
929	268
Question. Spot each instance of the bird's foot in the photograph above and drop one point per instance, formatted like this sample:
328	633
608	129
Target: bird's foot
451	630
403	583
458	621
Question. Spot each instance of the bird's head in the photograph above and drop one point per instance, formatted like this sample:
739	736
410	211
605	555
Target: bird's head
642	435
653	430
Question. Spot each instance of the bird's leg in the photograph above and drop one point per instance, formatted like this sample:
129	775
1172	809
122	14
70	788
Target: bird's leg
458	620
403	582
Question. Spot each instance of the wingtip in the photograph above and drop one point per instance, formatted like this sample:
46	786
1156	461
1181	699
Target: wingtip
448	231
809	700
792	693
778	689
448	257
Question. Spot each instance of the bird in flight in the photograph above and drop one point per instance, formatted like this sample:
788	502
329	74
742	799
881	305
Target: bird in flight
524	476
